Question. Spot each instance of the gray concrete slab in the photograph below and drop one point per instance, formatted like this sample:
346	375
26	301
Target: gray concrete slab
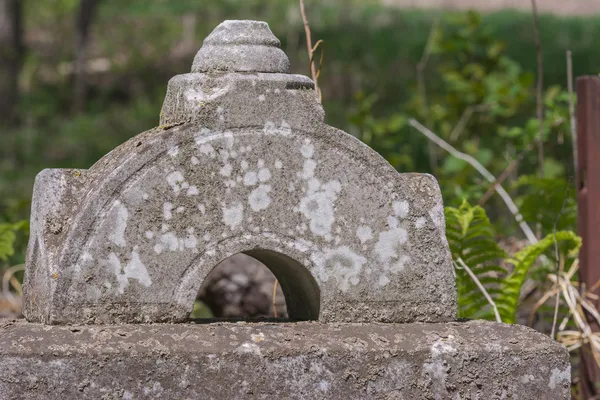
474	360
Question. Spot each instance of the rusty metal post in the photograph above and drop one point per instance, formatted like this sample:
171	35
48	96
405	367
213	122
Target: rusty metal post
588	218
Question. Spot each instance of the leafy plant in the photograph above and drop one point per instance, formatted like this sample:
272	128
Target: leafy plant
508	299
470	236
8	236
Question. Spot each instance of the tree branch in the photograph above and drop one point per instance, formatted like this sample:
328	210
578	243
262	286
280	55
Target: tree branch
511	167
422	89
465	118
540	88
572	109
481	287
483	171
83	23
310	50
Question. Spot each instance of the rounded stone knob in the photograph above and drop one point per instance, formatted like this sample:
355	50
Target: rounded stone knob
241	46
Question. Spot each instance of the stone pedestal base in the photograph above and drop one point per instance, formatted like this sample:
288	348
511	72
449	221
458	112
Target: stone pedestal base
471	360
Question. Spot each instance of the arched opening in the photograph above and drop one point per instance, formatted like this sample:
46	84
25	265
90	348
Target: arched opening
258	284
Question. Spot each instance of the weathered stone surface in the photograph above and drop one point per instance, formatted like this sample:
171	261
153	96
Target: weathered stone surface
241	46
475	360
242	163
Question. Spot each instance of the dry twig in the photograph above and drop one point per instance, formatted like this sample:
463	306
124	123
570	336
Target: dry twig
559	265
481	288
483	171
464	119
578	305
422	89
311	50
505	174
9	279
572	108
539	89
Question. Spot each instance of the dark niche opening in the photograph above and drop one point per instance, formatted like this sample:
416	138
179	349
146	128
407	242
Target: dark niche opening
257	285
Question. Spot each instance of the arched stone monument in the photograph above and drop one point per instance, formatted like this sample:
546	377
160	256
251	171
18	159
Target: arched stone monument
242	162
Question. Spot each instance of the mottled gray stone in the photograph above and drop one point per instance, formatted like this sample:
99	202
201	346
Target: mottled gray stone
242	162
475	360
241	46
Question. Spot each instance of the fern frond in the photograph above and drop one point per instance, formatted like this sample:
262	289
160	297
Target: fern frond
470	236
8	237
522	261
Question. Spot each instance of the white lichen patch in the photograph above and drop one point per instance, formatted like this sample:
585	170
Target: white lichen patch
437	368
197	96
226	170
383	280
192	191
437	216
392	222
391	252
558	377
278	164
167	211
285	129
264	175
318	207
170	242
307	149
249	348
134	269
341	264
401	208
308	169
250	178
364	234
261	97
175	180
119	215
207	150
229	139
173	151
527	378
271	128
259	198
420	222
233	215
257	338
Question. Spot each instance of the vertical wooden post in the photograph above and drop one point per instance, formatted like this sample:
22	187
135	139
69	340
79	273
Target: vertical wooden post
588	218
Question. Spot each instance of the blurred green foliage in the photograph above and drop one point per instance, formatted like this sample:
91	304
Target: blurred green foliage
482	63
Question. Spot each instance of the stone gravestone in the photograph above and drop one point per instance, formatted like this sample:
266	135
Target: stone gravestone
242	162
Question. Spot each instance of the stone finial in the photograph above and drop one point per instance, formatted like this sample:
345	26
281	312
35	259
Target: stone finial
240	62
241	46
